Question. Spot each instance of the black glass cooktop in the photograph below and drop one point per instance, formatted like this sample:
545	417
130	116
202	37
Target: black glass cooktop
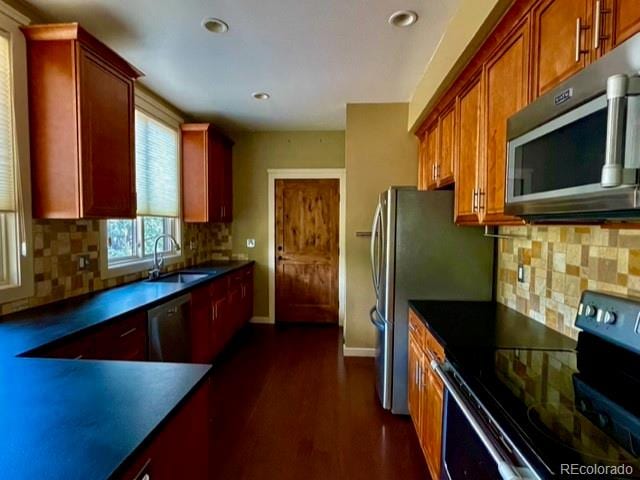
567	407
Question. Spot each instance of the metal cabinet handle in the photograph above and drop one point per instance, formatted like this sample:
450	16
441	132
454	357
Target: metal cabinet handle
128	332
481	195
78	357
579	29
474	200
597	36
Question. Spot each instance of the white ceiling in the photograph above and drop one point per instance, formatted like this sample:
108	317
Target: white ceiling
312	56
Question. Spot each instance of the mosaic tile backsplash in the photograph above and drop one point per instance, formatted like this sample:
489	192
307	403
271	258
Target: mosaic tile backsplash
559	263
58	244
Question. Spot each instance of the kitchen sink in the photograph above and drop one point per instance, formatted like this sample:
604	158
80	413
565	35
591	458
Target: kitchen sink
182	277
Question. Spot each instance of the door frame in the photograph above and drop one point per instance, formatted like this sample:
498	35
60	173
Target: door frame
308	174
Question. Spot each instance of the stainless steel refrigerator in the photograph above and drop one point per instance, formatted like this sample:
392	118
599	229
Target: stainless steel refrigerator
418	253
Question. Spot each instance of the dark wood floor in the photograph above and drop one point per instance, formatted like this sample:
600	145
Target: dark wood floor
290	407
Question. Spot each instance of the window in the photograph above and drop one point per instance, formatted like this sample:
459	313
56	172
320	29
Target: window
130	242
16	266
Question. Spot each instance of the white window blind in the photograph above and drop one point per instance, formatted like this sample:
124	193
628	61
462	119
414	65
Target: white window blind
7	175
157	174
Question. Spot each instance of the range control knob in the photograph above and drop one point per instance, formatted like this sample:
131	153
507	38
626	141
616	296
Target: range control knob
610	318
590	311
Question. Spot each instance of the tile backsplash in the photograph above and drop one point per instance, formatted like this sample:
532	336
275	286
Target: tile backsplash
561	261
58	244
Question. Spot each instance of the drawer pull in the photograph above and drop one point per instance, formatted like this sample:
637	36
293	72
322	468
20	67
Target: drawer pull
78	357
128	332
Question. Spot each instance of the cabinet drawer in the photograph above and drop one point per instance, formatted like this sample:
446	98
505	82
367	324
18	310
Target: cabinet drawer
433	347
218	289
417	329
77	348
124	339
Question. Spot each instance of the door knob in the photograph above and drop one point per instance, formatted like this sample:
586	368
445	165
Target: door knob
279	257
279	248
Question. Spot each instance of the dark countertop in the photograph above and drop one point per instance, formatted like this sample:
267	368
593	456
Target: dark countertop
31	329
462	326
73	419
66	419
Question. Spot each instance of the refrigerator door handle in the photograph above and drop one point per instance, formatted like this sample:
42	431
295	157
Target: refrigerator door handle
374	235
373	315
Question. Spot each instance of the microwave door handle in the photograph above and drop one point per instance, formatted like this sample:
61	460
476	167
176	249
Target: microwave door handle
617	86
374	234
507	470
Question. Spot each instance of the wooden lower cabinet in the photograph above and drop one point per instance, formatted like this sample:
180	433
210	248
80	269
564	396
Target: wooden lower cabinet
426	392
218	311
182	448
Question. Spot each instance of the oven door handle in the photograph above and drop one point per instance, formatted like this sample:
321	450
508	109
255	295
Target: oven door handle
507	470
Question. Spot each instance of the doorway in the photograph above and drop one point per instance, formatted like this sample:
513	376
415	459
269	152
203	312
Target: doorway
307	218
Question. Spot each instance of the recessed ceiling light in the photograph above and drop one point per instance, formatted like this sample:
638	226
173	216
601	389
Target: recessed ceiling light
215	25
403	18
261	96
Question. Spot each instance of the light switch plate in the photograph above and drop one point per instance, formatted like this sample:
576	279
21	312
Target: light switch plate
251	243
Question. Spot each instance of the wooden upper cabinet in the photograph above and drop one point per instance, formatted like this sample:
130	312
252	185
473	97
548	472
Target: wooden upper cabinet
561	41
206	174
431	138
507	87
626	19
81	114
469	158
445	166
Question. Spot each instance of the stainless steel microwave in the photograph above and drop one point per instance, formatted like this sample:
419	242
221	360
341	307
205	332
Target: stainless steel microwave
574	153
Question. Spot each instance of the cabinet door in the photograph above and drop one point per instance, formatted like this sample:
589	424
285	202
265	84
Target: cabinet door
423	168
432	418
626	20
413	395
469	153
222	328
195	169
108	185
227	183
506	80
446	147
432	156
201	324
562	41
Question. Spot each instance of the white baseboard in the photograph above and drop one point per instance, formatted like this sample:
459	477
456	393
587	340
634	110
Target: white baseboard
261	320
358	352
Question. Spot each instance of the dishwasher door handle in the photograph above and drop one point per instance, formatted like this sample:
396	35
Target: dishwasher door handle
507	470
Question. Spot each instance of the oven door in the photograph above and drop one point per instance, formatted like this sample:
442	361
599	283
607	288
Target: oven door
474	447
557	168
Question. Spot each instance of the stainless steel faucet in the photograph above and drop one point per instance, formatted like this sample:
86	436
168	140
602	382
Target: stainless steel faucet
158	262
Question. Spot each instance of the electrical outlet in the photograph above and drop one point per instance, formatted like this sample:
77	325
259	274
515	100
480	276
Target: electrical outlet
83	262
251	243
520	273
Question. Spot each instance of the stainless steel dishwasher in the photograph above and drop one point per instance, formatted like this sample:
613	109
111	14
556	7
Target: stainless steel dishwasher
169	336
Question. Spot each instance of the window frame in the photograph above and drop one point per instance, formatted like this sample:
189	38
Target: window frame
153	108
17	247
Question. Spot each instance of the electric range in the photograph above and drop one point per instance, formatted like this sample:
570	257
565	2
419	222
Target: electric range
533	413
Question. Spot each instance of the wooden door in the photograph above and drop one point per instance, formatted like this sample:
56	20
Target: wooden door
432	419
507	81
108	185
626	20
432	156
446	147
307	219
469	153
413	392
559	49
